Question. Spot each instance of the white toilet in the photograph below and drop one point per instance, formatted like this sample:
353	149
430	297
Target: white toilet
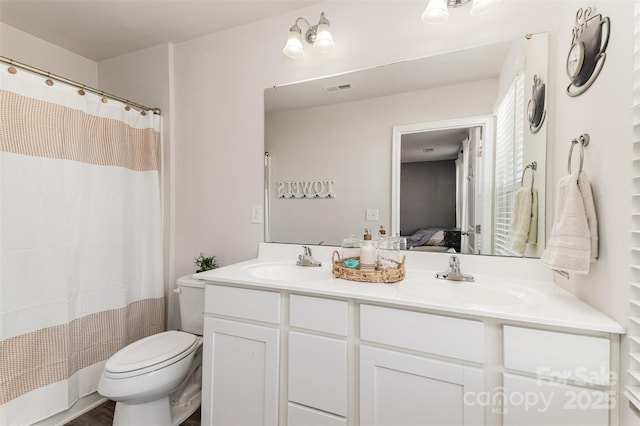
158	380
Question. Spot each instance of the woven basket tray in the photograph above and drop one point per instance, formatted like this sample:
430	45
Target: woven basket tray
386	276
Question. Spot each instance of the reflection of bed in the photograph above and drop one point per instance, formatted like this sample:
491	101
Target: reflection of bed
435	239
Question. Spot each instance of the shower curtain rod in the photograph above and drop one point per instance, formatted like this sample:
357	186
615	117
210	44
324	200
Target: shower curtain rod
76	84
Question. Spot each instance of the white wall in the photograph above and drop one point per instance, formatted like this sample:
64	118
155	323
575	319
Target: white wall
428	199
351	144
146	77
30	50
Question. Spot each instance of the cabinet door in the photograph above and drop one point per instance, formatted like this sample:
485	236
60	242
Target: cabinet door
529	402
403	389
240	374
318	372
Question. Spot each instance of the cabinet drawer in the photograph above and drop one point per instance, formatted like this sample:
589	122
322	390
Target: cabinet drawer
585	359
305	416
314	313
318	372
243	303
436	334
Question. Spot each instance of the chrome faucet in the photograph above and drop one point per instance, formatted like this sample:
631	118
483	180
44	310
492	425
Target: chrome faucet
307	259
454	273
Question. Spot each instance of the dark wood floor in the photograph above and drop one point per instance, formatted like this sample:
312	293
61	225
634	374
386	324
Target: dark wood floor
103	416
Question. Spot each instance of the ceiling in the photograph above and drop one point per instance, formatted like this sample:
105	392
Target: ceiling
102	29
418	74
432	145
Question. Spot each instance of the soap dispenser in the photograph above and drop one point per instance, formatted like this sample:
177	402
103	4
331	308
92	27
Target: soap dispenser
368	256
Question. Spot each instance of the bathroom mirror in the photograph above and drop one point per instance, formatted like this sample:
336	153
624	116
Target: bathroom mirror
344	132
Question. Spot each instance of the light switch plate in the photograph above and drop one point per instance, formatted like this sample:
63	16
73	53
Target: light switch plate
372	214
256	213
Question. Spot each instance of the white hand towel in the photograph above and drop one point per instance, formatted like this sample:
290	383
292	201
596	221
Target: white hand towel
533	227
573	242
524	223
590	211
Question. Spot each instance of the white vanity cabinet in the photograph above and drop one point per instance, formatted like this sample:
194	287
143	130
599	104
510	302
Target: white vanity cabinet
279	355
240	383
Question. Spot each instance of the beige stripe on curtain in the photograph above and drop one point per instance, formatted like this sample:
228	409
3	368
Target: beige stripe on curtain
42	357
32	127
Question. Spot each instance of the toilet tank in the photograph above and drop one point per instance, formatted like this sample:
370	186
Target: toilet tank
191	299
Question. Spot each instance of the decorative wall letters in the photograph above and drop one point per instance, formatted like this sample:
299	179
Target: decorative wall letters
307	189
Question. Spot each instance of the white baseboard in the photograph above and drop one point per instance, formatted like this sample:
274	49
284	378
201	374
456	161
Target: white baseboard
84	404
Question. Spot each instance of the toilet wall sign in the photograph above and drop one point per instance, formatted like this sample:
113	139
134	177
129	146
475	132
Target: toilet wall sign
325	188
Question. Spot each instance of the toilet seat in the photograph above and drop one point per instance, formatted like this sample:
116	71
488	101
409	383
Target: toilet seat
150	354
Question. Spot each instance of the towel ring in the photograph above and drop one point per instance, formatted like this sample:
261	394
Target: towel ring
583	140
533	166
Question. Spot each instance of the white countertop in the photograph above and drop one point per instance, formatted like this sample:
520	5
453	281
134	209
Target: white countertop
490	296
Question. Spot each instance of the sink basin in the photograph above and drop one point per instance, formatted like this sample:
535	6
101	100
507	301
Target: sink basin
288	272
470	294
487	296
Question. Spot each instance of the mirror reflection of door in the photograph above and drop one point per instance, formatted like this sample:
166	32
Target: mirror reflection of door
470	173
438	195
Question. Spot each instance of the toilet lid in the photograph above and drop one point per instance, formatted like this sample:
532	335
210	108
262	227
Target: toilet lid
150	351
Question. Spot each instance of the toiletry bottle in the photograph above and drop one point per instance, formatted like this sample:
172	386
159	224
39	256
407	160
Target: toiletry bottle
403	243
368	256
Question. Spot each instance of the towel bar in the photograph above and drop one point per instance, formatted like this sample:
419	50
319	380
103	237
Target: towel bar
533	166
583	140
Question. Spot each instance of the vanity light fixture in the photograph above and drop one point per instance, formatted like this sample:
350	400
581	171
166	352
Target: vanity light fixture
437	10
319	35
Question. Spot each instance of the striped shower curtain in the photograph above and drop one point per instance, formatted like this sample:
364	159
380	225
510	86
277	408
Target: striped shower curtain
80	240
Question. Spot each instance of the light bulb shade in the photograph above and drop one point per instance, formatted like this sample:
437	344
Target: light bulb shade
324	39
293	48
436	12
478	7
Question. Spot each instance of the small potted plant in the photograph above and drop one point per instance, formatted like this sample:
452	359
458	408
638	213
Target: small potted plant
205	263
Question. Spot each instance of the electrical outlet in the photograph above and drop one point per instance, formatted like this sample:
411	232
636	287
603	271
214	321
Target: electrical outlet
372	214
256	213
